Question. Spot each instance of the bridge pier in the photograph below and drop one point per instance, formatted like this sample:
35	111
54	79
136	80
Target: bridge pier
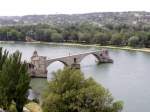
75	66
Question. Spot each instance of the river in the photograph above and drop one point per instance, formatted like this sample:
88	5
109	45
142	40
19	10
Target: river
128	78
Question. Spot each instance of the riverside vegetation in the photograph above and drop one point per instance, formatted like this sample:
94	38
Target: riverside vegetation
68	90
87	33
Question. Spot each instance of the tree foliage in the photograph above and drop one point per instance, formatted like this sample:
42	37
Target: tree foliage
14	80
133	41
69	91
116	39
85	32
101	38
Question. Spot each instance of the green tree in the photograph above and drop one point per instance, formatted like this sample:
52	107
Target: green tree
142	38
69	91
14	82
133	41
56	37
14	35
116	39
101	38
147	42
5	100
84	37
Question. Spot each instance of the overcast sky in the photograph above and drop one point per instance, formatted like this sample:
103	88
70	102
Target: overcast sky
28	7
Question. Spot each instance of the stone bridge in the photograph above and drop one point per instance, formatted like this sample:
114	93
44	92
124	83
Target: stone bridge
39	64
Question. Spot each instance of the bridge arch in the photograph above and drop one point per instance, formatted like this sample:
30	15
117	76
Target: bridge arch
93	54
64	63
53	67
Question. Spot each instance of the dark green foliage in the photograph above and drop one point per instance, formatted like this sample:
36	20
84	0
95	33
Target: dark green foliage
84	37
14	81
11	34
101	38
116	39
147	42
3	57
56	37
133	41
69	91
86	32
5	99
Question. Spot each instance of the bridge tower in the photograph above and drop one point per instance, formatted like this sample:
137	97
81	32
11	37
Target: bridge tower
40	65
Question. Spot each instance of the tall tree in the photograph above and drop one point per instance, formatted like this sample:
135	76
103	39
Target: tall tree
5	100
14	82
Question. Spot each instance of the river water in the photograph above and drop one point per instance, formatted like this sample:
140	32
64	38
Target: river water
128	78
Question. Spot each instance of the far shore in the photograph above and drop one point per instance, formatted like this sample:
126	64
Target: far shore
84	45
109	47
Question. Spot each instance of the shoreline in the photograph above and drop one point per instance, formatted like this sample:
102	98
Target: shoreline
83	45
110	47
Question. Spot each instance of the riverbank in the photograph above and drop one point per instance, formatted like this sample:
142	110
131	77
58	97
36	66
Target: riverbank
128	48
3	42
84	45
108	47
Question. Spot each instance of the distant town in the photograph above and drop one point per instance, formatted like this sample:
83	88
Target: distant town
100	18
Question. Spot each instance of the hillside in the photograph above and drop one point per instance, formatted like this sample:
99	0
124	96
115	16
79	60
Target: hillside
62	19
